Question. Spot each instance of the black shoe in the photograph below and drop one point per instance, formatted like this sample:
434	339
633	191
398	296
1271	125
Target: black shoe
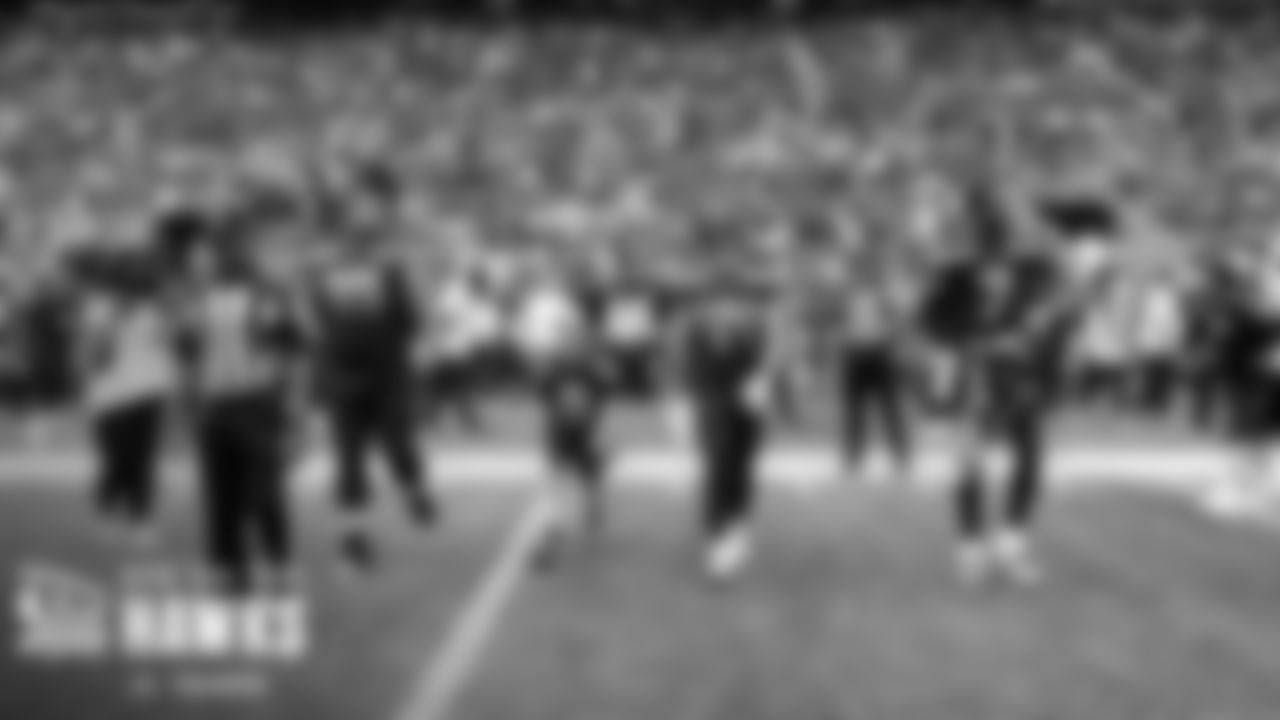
360	552
424	509
549	553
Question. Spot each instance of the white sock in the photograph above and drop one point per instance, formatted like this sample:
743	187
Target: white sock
1012	551
729	552
1237	493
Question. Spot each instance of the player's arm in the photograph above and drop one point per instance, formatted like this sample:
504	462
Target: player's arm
1053	301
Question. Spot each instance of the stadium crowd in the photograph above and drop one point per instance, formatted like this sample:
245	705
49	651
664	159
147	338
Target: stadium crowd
573	140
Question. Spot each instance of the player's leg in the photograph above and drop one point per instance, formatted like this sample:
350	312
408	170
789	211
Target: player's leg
571	447
854	414
732	491
579	464
350	438
970	511
1267	482
221	477
269	522
889	405
110	441
901	414
1252	482
140	462
590	471
1023	494
1233	494
984	465
395	434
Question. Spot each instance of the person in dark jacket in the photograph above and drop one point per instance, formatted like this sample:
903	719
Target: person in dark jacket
726	362
366	327
45	330
1000	312
239	346
1249	357
129	374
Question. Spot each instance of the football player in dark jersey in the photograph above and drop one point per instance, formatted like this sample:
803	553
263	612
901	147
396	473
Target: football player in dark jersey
1250	357
574	382
366	325
1000	310
725	357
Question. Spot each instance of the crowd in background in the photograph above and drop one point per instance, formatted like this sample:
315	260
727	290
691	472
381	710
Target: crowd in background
604	146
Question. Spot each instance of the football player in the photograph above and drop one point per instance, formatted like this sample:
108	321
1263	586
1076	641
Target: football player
366	324
573	380
725	358
1000	310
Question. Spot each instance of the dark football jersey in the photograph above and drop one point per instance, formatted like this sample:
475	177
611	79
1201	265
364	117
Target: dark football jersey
367	321
1251	340
1004	322
575	387
975	303
725	351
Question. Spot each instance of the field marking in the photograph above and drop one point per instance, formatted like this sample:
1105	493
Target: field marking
798	466
446	673
1188	471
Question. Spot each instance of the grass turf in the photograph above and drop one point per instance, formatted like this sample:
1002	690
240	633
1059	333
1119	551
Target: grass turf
1151	611
370	632
517	420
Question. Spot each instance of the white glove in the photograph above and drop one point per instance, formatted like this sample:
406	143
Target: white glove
758	394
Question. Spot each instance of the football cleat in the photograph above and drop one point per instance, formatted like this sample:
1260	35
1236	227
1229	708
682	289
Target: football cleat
1014	558
424	509
1230	500
360	552
975	562
729	554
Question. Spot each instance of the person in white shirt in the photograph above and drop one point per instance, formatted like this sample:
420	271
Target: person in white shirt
1159	340
468	327
631	330
547	323
1101	351
129	373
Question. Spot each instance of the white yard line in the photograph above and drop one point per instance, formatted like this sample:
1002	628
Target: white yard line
1188	471
446	673
802	467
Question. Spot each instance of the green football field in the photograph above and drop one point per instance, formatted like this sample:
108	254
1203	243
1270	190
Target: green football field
1151	610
